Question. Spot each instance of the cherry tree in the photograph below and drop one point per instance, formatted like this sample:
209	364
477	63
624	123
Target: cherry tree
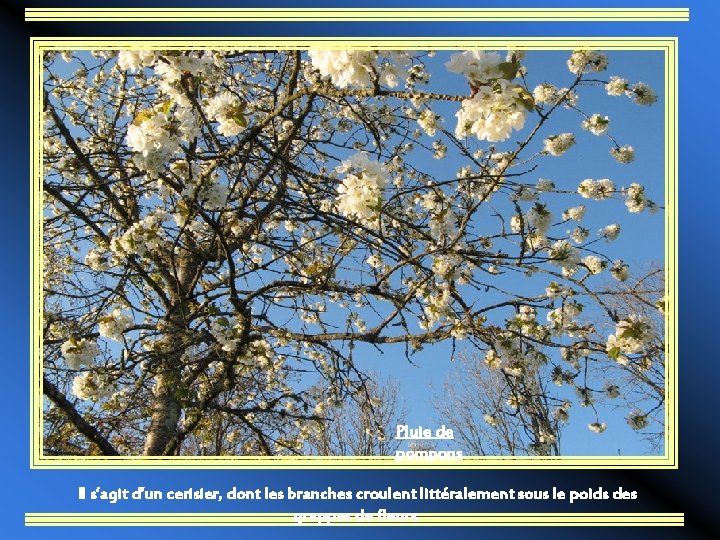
223	229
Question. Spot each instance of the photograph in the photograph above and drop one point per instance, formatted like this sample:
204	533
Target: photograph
424	256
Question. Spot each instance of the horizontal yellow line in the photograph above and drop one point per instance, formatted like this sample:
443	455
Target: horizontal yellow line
358	14
286	463
642	515
417	41
422	519
324	462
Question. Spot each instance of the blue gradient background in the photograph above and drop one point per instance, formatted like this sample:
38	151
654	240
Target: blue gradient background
691	489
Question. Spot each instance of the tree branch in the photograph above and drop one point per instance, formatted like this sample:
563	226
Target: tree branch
90	432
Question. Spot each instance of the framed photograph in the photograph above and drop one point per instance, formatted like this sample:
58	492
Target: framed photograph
259	256
297	266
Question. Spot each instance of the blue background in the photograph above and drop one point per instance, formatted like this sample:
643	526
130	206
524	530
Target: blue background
691	489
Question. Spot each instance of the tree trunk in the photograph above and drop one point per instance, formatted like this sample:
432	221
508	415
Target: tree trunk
166	407
165	415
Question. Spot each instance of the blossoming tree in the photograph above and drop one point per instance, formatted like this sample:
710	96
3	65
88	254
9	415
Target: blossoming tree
223	228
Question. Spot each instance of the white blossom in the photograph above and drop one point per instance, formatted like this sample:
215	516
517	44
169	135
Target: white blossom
619	270
635	198
623	154
561	414
596	124
429	121
226	108
91	386
539	217
478	66
594	264
134	60
535	241
579	234
155	137
554	290
585	61
98	259
596	189
360	194
563	254
374	261
562	319
113	325
557	145
358	68
576	213
631	336
545	185
617	86
545	93
225	332
492	113
637	420
610	232
79	352
641	94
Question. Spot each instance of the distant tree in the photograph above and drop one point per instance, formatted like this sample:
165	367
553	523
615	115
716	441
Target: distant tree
494	413
363	427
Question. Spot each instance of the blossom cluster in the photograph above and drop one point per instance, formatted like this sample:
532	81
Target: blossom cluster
636	201
562	320
564	255
492	113
429	121
226	332
631	336
135	60
360	68
479	67
496	107
155	137
226	108
641	93
360	194
552	95
596	124
113	325
623	154
141	239
596	189
93	386
557	145
585	61
79	352
620	270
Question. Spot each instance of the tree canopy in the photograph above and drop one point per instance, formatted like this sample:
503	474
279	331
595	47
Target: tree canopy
223	228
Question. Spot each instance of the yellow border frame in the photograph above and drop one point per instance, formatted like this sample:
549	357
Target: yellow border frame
668	460
355	14
488	519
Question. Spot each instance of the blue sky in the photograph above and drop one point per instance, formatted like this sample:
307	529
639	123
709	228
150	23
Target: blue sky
641	240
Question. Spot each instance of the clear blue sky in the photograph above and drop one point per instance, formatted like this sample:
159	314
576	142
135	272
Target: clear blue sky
641	239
